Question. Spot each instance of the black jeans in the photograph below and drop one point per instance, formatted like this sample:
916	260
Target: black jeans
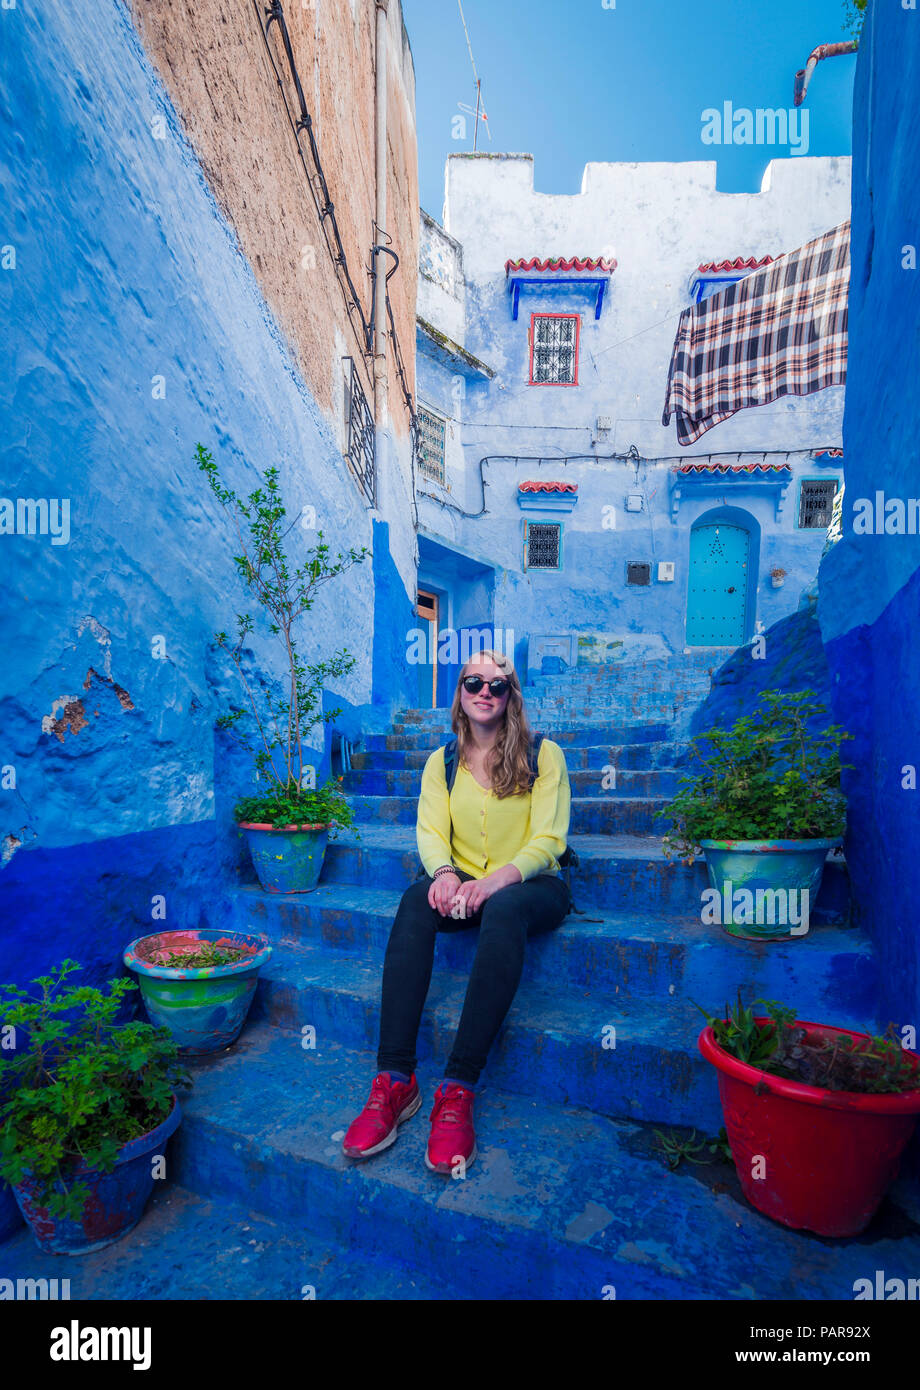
505	922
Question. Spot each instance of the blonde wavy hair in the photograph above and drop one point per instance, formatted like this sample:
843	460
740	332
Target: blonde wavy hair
508	761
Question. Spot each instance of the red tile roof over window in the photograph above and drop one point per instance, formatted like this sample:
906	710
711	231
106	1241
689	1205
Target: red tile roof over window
828	454
713	267
732	468
560	263
547	487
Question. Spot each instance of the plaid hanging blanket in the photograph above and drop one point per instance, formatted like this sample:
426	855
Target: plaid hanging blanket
779	332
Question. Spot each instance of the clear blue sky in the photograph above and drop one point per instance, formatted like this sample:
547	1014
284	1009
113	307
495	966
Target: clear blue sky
569	81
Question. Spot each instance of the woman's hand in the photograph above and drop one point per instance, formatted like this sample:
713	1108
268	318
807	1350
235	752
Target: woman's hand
442	892
476	890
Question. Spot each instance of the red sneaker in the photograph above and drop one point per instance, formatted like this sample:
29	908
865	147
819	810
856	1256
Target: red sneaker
452	1135
390	1103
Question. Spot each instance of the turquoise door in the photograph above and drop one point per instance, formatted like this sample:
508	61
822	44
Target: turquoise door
717	592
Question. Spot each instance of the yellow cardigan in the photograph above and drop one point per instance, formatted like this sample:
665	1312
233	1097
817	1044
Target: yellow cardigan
527	830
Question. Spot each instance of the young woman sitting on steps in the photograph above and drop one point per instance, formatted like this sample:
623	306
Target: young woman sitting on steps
490	850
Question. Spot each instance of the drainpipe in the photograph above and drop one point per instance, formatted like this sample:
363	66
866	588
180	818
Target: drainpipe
380	313
824	50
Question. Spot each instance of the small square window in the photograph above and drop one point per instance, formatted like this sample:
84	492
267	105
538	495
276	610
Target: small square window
816	503
638	572
542	545
431	450
554	349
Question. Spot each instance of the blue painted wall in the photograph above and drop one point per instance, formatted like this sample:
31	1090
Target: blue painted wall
869	585
136	329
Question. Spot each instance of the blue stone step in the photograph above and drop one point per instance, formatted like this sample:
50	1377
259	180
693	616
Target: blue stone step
604	814
603	780
193	1247
560	1203
578	736
616	871
642	954
615	1054
632	756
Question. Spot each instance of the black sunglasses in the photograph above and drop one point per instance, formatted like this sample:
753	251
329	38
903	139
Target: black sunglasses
498	687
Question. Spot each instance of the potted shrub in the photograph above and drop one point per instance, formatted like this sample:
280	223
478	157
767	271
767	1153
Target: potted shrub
778	576
88	1102
765	810
288	824
199	984
817	1117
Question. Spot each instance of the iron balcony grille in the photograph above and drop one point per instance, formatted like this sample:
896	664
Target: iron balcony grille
554	349
360	433
543	545
431	445
816	503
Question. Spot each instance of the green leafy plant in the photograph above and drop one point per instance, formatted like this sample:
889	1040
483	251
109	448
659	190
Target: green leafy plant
286	590
678	1148
83	1086
854	16
325	805
782	1047
771	776
206	954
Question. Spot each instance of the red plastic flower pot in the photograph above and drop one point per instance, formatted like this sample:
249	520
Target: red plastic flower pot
812	1159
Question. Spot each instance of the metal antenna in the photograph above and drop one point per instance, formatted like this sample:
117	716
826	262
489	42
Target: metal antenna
478	84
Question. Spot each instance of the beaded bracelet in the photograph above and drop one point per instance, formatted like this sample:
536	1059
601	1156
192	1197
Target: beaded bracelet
444	869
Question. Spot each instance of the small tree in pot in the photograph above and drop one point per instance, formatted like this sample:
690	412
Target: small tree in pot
765	809
288	824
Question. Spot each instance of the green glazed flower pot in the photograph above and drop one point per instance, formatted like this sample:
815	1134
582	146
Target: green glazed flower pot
287	860
762	885
204	1007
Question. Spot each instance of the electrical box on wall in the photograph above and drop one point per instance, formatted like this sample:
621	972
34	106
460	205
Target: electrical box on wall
665	571
634	502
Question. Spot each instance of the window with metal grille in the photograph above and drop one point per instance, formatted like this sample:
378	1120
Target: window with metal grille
542	545
431	443
638	572
554	349
816	503
360	448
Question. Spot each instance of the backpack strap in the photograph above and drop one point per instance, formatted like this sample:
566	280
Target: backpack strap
450	764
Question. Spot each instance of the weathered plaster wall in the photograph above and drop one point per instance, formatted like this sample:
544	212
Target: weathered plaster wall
660	221
869	585
136	329
213	61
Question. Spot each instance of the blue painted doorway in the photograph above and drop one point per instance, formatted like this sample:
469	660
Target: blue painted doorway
717	594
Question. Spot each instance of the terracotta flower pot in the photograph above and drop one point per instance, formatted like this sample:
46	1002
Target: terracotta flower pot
812	1159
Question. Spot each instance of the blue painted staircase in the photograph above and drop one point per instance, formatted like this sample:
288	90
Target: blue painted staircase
569	1197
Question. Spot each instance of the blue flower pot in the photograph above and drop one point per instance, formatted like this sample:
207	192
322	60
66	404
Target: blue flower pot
204	1007
288	860
776	873
10	1215
116	1200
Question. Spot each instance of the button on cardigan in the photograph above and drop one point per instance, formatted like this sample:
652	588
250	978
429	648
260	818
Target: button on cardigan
528	830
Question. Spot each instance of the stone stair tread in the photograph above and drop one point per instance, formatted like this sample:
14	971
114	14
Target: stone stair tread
570	1011
393	836
578	1191
190	1247
661	927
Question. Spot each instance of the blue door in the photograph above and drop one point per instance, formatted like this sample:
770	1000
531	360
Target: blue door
717	592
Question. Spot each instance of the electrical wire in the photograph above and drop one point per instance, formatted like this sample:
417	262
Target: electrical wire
632	456
325	210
